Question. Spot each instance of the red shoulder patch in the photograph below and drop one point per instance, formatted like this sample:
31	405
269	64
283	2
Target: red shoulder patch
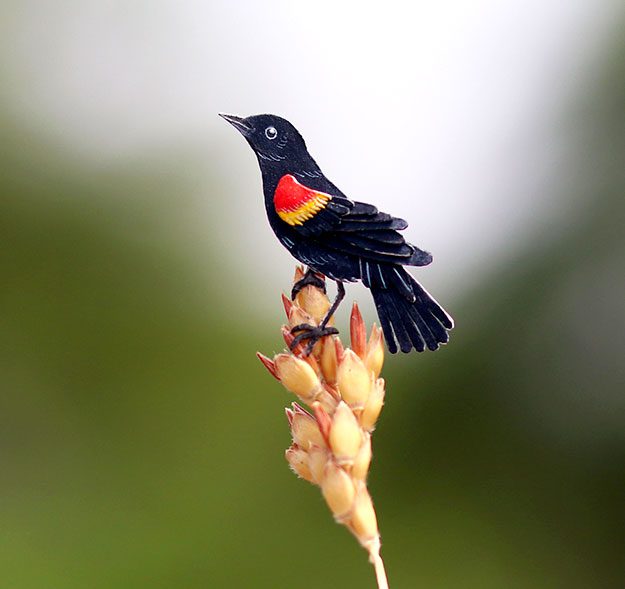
295	203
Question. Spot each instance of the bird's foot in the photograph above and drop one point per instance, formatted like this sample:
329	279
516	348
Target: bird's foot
311	278
312	333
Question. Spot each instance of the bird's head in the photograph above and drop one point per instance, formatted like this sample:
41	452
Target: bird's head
274	140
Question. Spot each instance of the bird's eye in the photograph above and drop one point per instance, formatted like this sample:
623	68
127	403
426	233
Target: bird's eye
271	133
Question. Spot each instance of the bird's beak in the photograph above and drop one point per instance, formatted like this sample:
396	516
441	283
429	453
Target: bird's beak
239	123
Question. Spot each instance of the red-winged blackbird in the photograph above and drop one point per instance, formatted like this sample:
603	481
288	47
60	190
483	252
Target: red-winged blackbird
342	239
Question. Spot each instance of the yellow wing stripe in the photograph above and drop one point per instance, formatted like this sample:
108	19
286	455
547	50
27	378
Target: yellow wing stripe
307	210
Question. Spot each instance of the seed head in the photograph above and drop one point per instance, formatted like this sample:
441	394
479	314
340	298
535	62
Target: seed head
332	442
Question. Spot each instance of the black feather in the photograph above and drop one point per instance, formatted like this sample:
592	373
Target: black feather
382	305
361	209
409	316
371	224
370	243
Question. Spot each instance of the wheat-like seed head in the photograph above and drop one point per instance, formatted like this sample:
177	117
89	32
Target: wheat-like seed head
341	386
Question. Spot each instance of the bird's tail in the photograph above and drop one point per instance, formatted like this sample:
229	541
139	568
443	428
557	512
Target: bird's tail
409	315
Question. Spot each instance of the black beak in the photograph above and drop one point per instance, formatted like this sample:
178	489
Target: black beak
239	123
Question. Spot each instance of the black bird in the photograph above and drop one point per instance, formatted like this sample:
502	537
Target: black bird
342	239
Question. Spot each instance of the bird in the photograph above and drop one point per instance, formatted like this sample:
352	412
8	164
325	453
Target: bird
342	239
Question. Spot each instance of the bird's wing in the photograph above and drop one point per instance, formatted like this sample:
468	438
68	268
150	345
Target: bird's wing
351	227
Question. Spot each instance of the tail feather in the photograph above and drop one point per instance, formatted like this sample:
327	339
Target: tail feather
409	317
419	338
428	300
379	297
431	341
402	329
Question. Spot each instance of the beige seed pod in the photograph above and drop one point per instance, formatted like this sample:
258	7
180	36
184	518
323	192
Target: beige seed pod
373	407
374	355
297	316
360	468
345	435
305	432
297	376
314	302
327	401
338	490
358	331
328	360
354	380
317	461
363	520
298	461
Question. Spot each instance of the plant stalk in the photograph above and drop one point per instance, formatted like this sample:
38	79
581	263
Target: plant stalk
378	565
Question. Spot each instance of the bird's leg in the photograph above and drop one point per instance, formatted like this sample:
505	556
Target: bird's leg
311	278
340	295
313	333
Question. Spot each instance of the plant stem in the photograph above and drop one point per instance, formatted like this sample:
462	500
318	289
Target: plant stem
378	564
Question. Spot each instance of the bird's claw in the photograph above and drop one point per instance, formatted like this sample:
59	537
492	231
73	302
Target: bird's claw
311	278
312	333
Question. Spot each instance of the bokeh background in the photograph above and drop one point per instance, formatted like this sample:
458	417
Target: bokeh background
141	442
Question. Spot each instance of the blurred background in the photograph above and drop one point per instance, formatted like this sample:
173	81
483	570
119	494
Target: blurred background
142	443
